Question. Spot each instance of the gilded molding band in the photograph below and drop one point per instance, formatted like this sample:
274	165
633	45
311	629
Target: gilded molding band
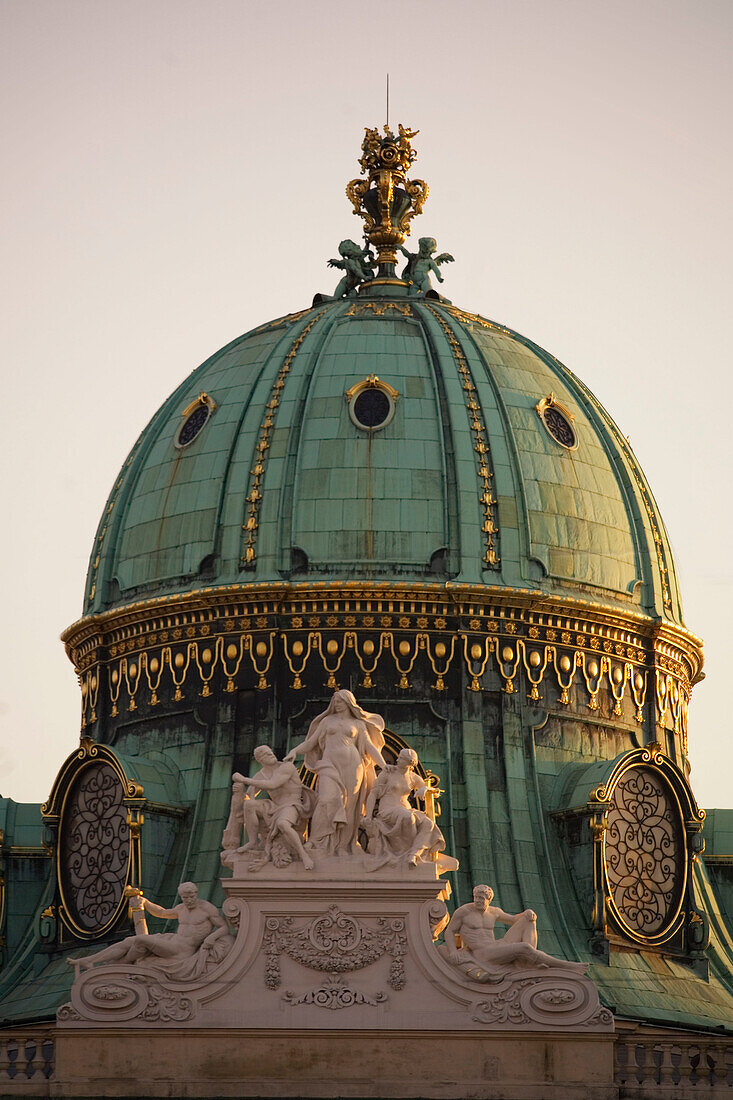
378	308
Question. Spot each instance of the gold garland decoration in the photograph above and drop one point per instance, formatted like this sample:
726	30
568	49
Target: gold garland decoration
267	426
488	502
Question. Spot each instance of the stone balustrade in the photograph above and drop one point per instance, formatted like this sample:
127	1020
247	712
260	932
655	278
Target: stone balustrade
27	1060
677	1070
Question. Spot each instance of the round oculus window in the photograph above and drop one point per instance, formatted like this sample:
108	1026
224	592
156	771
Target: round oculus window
371	403
558	421
192	425
372	408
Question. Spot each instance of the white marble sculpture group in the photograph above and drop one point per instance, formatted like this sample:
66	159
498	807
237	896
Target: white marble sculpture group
342	880
354	811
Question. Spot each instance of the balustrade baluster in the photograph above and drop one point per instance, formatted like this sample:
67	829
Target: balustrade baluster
726	1068
622	1062
666	1065
13	1049
689	1051
27	1059
676	1055
713	1060
640	1058
48	1053
4	1060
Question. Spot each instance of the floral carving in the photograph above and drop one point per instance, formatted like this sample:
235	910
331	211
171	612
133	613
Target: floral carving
110	993
164	1005
644	852
506	1006
334	994
334	943
556	997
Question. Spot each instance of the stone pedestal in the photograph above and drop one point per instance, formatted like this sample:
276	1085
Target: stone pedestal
179	1062
337	947
334	987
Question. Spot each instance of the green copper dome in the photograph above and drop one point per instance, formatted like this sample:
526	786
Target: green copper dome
492	464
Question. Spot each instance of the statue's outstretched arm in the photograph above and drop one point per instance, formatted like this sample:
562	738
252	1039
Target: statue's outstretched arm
159	911
418	785
370	804
311	742
298	750
271	784
511	918
375	754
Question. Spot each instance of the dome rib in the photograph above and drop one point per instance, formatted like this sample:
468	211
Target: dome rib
656	562
509	482
472	414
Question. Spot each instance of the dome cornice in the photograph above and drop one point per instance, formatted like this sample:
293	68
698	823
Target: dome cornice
248	635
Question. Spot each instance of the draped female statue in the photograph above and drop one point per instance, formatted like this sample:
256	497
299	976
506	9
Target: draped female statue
343	748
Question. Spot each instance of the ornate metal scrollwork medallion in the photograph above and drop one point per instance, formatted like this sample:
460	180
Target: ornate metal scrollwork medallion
94	809
645	857
646	823
94	847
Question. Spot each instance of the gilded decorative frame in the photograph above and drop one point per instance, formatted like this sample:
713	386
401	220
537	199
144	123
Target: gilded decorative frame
52	812
691	819
203	400
552	402
372	383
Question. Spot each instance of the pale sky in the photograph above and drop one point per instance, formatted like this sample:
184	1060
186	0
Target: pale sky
174	176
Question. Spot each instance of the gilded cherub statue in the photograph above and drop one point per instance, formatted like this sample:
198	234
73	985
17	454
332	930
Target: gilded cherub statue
357	264
421	264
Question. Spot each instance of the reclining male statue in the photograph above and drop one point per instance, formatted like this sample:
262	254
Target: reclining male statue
486	959
202	937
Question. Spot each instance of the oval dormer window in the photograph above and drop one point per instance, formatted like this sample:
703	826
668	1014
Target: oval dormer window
195	418
558	422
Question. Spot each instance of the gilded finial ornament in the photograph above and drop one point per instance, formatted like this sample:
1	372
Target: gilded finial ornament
387	200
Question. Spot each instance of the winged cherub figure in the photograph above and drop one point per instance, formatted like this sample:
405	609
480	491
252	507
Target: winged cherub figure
421	264
356	263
